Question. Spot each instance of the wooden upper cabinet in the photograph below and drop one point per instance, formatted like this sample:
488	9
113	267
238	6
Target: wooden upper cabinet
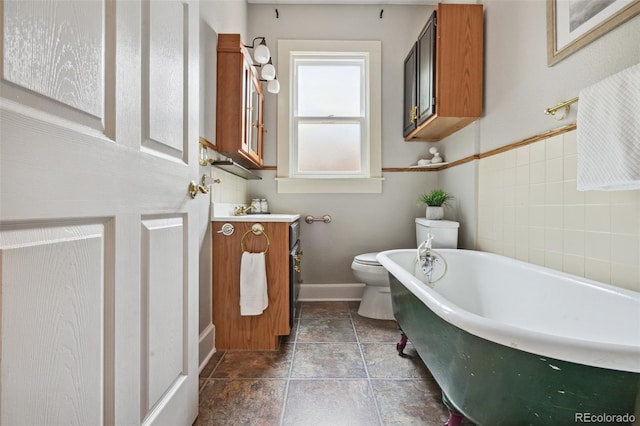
448	57
239	104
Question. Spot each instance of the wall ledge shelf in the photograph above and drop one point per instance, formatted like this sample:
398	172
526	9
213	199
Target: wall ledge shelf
236	169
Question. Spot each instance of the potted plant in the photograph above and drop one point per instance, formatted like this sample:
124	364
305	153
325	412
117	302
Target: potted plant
435	201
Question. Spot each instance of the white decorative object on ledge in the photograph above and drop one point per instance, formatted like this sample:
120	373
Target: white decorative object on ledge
436	155
428	166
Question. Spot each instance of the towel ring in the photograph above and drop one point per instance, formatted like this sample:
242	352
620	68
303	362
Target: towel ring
256	229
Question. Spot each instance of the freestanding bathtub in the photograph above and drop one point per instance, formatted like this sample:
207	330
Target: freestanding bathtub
511	343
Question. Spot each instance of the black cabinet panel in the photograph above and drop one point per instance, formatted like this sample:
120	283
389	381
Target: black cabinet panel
410	91
426	71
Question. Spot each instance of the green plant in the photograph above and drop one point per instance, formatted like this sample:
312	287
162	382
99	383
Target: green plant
436	198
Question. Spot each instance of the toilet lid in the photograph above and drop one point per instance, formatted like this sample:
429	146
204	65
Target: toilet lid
367	259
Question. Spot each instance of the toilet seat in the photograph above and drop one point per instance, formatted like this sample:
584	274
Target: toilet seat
368	259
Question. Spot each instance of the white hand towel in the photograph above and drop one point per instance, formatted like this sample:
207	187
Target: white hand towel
609	133
253	284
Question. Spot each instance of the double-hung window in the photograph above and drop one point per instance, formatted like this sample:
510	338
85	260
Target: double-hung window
329	116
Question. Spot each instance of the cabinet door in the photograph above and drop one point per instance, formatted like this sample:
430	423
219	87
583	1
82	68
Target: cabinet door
246	107
252	119
426	71
255	114
410	95
260	332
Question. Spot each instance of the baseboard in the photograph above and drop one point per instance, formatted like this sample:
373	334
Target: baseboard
207	345
331	292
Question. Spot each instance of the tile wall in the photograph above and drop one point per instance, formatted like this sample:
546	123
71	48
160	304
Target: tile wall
231	189
529	209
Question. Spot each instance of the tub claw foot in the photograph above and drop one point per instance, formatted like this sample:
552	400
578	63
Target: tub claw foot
401	344
455	419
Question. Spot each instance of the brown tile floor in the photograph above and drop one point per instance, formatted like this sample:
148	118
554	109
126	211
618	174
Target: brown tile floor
336	368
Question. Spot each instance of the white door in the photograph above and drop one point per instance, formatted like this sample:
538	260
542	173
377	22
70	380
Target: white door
98	235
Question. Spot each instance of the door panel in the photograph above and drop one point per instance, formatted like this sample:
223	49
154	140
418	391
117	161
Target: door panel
164	56
98	235
163	310
48	64
56	50
40	270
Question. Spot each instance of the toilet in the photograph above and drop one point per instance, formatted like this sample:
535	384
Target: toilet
376	299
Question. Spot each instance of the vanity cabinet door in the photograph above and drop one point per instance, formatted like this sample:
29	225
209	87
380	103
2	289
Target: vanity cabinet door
260	332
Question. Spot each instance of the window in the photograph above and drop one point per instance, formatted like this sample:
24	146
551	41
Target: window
329	117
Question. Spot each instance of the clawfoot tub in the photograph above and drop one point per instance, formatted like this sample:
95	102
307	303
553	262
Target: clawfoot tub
511	343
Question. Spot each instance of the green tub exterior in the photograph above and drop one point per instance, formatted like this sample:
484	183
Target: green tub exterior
492	384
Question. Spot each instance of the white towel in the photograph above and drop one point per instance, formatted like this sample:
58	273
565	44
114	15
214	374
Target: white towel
253	284
609	133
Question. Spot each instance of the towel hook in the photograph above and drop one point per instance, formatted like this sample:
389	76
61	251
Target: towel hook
256	229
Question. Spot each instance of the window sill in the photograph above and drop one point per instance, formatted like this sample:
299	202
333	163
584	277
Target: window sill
330	186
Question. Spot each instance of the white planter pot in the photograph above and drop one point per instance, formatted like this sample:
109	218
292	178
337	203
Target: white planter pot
435	213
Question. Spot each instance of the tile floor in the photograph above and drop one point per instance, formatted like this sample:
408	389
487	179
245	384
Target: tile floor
336	368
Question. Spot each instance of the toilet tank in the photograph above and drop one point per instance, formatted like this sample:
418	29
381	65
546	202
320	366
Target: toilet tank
445	232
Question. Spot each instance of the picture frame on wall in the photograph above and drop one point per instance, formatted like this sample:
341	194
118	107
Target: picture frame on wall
572	24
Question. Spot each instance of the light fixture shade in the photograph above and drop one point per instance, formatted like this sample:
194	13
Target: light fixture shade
273	86
261	54
268	72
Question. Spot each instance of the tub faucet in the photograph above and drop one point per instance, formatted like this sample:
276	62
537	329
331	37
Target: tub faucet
427	259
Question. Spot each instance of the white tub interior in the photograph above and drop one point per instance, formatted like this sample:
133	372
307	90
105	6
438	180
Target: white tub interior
527	306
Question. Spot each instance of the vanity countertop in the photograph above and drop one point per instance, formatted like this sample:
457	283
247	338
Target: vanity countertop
274	217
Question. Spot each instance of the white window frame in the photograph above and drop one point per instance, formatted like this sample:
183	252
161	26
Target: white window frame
369	180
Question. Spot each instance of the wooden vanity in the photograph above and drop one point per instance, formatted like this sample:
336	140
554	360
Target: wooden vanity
234	331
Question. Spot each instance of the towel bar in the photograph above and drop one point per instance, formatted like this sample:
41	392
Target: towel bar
566	105
310	219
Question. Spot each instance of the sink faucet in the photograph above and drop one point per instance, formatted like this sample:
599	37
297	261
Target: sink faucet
242	210
427	259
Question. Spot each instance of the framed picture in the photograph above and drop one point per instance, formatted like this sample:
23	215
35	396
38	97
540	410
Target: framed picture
572	24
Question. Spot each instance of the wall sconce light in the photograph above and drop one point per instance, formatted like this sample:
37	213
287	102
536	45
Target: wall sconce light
273	86
262	56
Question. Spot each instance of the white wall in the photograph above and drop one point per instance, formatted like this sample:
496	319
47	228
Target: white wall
361	222
216	16
225	16
519	85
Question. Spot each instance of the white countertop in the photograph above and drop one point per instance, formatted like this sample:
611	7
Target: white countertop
274	217
223	212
